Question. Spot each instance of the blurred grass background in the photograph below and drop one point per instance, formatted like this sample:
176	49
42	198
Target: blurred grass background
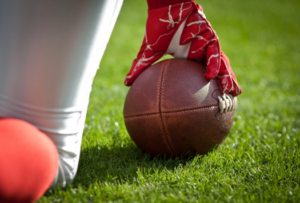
260	159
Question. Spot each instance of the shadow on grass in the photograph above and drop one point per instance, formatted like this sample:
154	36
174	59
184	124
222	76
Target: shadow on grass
119	165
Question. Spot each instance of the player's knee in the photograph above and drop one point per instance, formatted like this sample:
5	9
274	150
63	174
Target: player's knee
28	159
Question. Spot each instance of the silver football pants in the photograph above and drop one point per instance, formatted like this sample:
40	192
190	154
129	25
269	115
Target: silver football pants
49	54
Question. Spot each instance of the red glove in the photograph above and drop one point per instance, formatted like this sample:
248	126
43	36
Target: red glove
179	28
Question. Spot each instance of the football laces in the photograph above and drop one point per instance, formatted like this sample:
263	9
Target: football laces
227	103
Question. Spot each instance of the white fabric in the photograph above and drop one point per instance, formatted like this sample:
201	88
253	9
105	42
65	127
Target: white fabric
49	54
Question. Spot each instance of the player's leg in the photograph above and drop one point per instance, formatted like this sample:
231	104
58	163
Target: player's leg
50	51
28	160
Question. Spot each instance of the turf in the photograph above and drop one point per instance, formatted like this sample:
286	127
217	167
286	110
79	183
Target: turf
260	159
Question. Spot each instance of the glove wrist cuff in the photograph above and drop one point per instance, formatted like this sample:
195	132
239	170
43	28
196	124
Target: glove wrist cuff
153	4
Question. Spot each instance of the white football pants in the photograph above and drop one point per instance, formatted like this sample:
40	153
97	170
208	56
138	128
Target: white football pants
49	54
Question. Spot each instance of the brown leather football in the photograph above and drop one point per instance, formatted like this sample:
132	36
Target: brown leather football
172	109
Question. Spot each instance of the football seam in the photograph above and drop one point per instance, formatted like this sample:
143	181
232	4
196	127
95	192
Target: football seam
166	137
173	111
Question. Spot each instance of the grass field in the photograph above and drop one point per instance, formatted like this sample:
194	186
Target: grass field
260	159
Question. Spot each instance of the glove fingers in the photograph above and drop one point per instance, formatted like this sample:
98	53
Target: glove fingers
196	27
199	45
192	28
237	89
227	79
213	59
145	58
204	43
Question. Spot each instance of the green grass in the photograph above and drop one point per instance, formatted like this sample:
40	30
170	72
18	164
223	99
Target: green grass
260	159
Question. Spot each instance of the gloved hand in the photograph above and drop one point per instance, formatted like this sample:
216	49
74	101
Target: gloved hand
181	29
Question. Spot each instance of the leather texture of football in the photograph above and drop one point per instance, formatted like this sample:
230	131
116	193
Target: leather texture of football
172	109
